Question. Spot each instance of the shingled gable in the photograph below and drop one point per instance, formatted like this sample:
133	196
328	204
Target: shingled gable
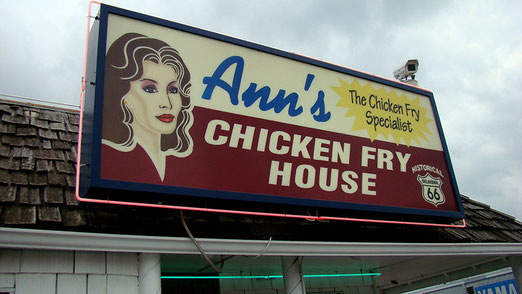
38	150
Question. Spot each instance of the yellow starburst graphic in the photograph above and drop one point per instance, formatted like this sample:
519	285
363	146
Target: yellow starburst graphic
383	112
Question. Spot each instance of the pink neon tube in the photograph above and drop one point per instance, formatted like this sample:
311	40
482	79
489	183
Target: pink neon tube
308	217
82	102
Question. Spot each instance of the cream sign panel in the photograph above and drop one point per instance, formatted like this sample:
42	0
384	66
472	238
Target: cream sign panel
253	82
186	111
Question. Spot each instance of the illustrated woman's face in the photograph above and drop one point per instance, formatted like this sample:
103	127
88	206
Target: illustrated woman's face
154	99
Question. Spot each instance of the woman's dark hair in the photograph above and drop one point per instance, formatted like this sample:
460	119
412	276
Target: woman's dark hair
124	64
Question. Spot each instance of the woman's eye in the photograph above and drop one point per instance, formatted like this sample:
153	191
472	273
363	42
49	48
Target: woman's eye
173	90
150	89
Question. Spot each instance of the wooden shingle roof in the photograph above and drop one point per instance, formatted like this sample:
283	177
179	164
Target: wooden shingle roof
37	179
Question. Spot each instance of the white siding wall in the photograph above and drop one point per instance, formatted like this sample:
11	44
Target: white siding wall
68	272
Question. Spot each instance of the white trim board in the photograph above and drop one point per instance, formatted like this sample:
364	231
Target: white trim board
63	240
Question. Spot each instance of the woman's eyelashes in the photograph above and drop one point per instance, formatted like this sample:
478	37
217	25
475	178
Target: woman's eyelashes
149	86
172	89
150	89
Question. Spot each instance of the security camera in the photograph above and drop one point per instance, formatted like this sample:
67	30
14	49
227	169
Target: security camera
407	70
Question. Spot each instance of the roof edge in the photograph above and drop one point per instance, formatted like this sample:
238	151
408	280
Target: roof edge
22	103
62	240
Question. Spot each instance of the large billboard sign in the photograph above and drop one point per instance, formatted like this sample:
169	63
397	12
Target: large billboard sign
188	115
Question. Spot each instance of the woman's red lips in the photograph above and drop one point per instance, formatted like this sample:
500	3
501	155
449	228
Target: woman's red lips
166	118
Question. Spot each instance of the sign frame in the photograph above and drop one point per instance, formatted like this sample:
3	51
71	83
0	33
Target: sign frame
92	188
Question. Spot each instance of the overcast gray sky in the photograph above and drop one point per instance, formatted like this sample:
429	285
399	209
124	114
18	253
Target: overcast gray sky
470	55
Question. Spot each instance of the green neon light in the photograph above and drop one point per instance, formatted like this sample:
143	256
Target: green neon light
343	275
271	276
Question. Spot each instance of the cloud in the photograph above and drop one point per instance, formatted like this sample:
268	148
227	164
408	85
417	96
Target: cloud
43	55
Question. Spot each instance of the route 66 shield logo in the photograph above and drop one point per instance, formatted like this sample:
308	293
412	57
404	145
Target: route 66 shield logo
431	189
